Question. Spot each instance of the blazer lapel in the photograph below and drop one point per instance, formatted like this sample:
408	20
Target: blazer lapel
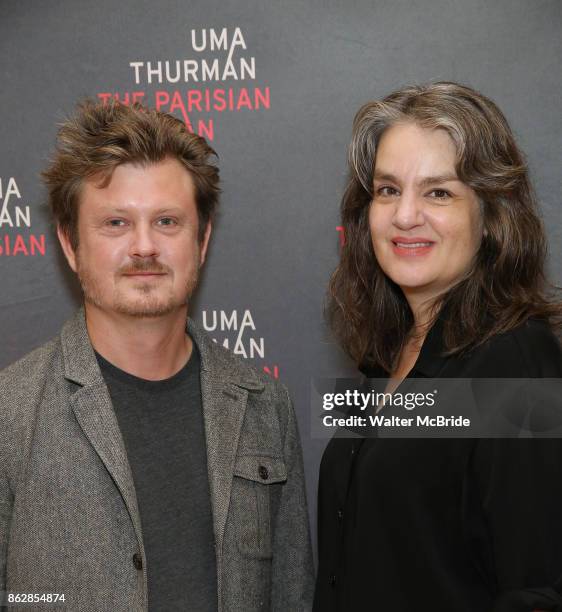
224	406
94	412
225	383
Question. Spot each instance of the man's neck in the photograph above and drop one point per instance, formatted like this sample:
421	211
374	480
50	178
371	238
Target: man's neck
153	348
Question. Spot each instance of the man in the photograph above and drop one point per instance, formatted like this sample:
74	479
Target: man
142	465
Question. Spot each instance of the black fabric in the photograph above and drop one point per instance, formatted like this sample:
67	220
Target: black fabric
163	429
461	525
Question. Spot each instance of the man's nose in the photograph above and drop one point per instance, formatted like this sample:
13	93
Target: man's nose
409	211
143	241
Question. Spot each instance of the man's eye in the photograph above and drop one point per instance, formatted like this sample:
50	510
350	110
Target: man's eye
167	221
116	222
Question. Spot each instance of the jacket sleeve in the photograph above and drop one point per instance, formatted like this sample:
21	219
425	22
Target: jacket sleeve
6	504
519	482
292	570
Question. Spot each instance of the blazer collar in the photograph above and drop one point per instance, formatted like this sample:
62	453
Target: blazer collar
81	366
215	359
80	363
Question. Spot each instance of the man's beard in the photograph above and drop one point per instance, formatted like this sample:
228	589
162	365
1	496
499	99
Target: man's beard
147	305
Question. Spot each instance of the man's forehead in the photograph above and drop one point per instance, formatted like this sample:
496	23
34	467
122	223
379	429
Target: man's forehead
168	177
168	167
135	187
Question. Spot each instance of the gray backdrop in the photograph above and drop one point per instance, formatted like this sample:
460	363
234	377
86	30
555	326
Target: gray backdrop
283	163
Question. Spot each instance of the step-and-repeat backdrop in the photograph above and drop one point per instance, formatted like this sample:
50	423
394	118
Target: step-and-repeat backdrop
274	87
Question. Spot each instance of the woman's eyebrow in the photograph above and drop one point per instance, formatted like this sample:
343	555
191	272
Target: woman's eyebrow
381	175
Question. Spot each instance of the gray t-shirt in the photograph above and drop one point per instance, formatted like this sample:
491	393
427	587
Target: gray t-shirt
162	426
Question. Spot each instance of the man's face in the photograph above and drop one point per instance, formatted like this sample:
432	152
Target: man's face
138	251
426	224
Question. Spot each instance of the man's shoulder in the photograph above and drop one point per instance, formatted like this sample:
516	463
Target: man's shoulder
268	400
29	367
227	366
223	362
22	385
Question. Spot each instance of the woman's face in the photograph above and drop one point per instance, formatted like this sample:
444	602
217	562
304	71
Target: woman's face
426	225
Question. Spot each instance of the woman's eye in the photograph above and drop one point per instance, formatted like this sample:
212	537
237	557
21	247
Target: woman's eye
440	194
386	191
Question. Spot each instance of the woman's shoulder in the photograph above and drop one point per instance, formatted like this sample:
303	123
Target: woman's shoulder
535	337
529	350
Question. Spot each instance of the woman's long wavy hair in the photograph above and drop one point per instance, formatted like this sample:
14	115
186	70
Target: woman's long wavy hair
368	313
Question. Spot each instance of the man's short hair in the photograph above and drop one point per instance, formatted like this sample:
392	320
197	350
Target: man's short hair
101	136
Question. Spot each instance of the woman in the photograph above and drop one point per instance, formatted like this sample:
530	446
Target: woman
441	276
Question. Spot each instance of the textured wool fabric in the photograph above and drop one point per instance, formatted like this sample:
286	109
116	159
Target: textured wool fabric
69	518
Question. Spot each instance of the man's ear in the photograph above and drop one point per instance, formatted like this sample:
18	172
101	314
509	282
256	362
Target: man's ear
205	244
67	247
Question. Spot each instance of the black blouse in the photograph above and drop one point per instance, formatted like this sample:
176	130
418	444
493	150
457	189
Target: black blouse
446	525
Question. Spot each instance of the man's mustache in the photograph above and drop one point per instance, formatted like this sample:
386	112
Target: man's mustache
144	265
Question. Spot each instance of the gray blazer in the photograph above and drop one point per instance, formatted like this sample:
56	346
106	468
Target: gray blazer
69	521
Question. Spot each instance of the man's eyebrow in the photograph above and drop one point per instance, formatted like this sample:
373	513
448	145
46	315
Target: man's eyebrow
108	207
428	180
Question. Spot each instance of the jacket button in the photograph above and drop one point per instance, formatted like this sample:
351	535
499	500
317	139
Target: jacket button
137	561
262	471
332	580
340	514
